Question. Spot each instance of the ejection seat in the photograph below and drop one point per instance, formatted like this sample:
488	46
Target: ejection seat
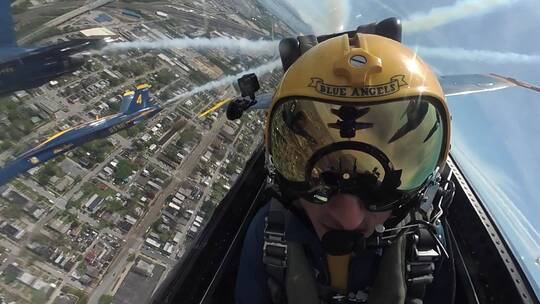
475	273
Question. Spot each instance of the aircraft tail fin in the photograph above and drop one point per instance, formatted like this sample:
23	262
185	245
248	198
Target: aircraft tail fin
7	38
135	101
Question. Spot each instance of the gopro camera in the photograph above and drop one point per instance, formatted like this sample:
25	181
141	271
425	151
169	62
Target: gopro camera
249	84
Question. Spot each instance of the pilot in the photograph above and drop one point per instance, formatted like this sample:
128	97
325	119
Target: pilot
357	131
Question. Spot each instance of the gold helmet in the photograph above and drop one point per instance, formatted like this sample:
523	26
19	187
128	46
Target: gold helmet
362	115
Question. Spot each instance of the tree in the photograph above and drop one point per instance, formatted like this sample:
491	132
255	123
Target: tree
123	170
10	277
114	206
39	296
49	170
165	77
105	299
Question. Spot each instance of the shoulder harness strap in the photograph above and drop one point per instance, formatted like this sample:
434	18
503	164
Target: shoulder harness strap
290	276
275	246
422	253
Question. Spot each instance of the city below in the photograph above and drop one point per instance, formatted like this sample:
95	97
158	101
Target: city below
108	221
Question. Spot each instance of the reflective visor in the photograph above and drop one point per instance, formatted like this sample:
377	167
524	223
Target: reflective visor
378	151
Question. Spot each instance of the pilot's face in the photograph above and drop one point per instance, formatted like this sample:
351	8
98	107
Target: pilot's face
343	212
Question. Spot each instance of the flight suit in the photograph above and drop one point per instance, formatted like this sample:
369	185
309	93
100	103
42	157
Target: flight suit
252	281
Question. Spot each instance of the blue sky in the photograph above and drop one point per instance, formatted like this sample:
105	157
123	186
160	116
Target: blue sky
496	134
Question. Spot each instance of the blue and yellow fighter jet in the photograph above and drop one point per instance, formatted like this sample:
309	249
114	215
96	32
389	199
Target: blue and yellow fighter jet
25	67
135	108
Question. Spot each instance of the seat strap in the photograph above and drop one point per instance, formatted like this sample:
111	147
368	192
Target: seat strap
290	276
275	246
422	253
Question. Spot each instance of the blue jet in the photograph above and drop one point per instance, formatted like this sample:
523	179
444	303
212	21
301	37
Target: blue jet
135	108
28	67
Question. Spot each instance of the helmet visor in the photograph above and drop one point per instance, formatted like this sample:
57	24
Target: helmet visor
379	151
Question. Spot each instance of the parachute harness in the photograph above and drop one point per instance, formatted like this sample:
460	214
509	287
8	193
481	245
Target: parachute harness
420	225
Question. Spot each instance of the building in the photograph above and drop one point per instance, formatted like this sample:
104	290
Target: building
144	268
154	185
174	206
177	237
153	243
34	210
130	219
13	270
168	248
180	196
94	203
97	32
59	226
15	197
12	231
26	278
177	201
124	226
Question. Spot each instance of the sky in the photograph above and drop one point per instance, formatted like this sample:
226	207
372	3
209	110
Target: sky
495	134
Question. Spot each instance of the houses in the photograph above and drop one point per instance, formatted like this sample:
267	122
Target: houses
144	268
27	278
152	242
12	231
126	223
154	186
94	203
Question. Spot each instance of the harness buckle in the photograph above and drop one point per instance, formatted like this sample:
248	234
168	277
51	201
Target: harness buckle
431	253
275	254
275	245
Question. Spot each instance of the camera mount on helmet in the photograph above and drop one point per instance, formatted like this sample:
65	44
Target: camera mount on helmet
248	85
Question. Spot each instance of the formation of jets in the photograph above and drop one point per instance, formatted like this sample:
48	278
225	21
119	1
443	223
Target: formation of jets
137	107
28	67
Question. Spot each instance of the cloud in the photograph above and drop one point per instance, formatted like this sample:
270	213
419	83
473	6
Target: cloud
460	10
325	16
480	56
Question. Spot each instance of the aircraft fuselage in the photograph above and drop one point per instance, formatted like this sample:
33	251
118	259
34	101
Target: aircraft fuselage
74	137
28	68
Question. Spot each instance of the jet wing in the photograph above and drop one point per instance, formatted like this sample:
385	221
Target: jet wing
215	107
263	102
517	82
7	36
464	84
452	85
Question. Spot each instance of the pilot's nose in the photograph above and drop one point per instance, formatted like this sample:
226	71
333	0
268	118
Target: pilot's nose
347	210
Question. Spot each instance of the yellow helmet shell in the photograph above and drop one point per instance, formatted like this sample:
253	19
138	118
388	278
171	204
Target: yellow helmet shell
365	69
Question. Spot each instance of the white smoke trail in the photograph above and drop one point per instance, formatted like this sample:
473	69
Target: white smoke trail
481	56
230	44
324	17
263	69
442	15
